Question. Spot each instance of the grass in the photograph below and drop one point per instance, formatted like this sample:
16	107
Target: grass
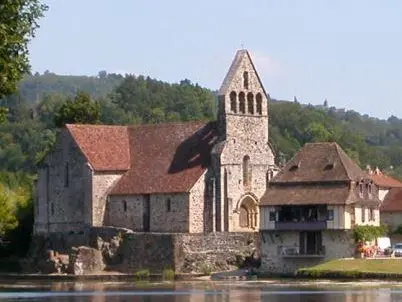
142	275
363	265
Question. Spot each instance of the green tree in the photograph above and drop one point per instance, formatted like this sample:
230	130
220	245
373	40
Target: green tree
18	23
81	110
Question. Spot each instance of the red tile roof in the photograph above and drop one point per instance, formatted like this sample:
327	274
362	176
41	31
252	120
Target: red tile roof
392	201
161	158
167	158
317	162
386	181
105	147
319	173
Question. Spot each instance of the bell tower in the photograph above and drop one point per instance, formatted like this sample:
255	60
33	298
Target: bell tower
243	102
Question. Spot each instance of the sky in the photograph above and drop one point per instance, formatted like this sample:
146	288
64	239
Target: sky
348	52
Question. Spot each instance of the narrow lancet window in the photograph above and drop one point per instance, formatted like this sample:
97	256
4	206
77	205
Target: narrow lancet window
233	102
250	103
242	102
245	80
258	99
246	171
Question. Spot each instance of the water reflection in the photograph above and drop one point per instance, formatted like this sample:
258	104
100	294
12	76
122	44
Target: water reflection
194	292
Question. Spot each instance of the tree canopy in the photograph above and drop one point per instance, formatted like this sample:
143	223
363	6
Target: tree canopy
18	23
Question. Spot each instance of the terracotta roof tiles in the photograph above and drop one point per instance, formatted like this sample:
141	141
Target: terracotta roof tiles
105	147
392	201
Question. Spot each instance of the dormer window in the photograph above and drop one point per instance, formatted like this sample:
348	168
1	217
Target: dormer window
329	166
294	167
361	189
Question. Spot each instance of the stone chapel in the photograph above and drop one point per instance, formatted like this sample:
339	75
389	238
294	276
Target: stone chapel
189	177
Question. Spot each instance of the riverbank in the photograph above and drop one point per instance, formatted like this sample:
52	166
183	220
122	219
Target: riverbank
355	269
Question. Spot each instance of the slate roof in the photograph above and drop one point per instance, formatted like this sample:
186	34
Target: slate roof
392	201
163	158
105	147
319	173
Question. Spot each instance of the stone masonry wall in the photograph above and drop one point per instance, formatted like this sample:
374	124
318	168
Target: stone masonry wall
245	134
102	182
185	253
63	189
198	198
126	212
169	219
337	243
391	219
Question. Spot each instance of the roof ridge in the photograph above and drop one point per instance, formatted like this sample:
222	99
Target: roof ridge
338	151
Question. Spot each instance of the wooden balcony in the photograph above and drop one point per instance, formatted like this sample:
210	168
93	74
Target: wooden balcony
300	225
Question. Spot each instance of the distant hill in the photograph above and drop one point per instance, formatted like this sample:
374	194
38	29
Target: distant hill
139	99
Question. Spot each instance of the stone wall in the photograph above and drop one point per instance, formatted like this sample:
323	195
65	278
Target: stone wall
245	134
63	195
392	219
102	182
197	210
173	218
185	253
337	244
126	212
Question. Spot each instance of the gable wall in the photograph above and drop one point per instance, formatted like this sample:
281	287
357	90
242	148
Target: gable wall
61	208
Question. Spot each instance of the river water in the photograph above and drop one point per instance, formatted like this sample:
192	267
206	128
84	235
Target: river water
273	291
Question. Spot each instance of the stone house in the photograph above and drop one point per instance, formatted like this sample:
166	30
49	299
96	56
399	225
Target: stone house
311	206
190	177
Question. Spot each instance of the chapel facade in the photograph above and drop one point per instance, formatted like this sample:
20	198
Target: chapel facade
190	177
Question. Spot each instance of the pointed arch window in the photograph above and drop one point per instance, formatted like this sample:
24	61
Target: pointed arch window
250	103
258	99
124	206
233	102
242	102
247	175
245	80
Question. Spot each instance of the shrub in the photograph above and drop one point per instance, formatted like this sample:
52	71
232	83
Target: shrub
168	275
362	233
205	269
142	275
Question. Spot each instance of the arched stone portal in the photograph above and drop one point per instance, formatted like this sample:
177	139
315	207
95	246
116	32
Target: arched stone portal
247	208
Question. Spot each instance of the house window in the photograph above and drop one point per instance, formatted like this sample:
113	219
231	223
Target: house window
242	102
233	102
361	189
66	175
258	98
245	80
168	205
363	215
370	190
272	216
250	103
124	206
247	177
371	214
330	215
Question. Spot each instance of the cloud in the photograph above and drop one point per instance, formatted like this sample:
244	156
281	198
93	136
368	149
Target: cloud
267	65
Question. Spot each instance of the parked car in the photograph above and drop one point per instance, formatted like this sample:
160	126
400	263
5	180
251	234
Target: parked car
398	250
383	245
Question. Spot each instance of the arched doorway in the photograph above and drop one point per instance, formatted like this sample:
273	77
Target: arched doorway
247	209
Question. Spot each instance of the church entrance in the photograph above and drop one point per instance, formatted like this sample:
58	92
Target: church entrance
248	213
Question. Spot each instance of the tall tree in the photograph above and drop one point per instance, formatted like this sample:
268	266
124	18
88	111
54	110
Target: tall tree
18	23
80	110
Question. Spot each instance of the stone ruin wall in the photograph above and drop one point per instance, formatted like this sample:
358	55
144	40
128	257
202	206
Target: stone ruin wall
124	251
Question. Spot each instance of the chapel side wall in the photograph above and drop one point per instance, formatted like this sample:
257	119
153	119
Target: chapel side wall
126	212
337	244
63	188
102	183
173	218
